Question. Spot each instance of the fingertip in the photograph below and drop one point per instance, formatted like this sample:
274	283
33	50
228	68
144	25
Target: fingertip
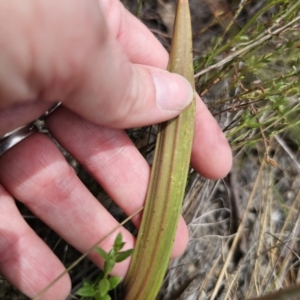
59	291
211	153
173	92
181	239
47	271
29	264
142	47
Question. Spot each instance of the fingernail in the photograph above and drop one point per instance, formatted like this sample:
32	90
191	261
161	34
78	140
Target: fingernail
173	92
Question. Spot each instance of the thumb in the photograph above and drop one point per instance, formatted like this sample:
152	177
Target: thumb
68	54
116	93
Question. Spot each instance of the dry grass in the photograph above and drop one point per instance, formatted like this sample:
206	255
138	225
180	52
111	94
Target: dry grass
244	231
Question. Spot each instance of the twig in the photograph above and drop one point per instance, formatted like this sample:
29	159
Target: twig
246	49
286	148
238	234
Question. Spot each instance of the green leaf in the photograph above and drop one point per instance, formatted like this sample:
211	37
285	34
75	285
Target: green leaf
102	253
86	291
112	253
119	247
87	282
118	244
114	282
244	38
105	297
123	255
108	266
104	287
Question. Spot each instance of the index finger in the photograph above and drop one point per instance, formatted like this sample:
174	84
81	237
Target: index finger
143	48
138	42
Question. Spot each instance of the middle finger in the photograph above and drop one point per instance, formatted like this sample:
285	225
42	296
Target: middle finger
37	174
113	160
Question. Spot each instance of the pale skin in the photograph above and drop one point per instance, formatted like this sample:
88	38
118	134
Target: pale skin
108	71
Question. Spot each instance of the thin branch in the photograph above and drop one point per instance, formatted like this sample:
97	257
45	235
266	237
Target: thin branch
246	49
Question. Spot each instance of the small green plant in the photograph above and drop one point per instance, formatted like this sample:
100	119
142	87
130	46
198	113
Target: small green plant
99	289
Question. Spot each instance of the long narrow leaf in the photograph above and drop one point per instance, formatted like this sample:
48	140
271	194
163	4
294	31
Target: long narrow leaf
168	178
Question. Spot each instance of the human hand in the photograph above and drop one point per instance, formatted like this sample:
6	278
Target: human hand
102	64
